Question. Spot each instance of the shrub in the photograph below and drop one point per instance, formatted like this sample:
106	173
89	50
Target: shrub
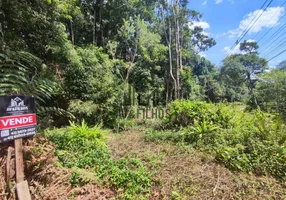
240	140
271	92
83	147
152	123
164	136
124	124
184	113
93	113
79	145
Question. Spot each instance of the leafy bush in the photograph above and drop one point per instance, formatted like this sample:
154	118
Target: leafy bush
124	124
271	93
184	113
88	73
76	180
83	147
153	135
93	113
240	140
79	146
152	123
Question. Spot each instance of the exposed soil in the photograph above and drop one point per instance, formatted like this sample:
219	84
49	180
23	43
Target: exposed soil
47	180
178	173
184	173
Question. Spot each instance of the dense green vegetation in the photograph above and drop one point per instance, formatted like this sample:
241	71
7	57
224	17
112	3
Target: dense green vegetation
81	57
92	63
81	147
245	141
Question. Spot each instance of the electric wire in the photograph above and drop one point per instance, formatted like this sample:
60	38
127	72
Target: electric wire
249	24
274	34
252	24
271	45
277	55
277	48
273	25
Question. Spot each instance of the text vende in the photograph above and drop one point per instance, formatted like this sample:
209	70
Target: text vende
17	121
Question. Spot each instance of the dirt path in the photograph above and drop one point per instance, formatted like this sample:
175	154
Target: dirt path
184	173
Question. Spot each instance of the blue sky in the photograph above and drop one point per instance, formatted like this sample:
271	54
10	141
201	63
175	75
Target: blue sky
225	20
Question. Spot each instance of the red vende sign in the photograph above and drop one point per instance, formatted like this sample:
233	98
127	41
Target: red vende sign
17	121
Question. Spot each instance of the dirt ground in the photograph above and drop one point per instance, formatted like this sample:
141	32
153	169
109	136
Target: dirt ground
178	173
184	173
46	180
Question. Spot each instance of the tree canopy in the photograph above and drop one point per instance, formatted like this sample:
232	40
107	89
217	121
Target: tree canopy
101	50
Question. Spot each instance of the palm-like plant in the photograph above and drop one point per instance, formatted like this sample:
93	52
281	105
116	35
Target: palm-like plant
23	73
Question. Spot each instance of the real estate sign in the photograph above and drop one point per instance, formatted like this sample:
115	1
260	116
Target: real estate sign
17	117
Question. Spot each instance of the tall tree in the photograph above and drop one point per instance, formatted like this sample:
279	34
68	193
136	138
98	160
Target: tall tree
271	92
165	12
282	65
243	68
249	47
176	19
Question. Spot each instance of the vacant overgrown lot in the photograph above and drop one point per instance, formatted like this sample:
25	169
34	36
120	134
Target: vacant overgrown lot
181	172
247	141
199	151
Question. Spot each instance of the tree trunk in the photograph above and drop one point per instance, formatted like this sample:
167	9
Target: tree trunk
171	64
177	41
167	87
72	33
169	42
177	57
251	87
101	23
94	25
180	42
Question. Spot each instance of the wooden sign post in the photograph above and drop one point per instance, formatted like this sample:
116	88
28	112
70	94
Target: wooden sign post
17	121
22	187
19	160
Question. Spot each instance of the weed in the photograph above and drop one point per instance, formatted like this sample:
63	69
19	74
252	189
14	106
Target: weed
74	179
243	141
153	160
79	146
124	124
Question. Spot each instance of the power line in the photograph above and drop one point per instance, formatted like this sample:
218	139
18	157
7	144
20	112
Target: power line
271	28
251	24
277	55
256	20
269	21
270	45
274	34
277	48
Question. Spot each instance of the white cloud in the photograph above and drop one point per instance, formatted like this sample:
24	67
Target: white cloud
202	24
268	19
205	3
250	40
228	51
202	54
218	1
236	50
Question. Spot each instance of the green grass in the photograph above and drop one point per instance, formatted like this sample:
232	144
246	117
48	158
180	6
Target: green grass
180	171
243	141
80	147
